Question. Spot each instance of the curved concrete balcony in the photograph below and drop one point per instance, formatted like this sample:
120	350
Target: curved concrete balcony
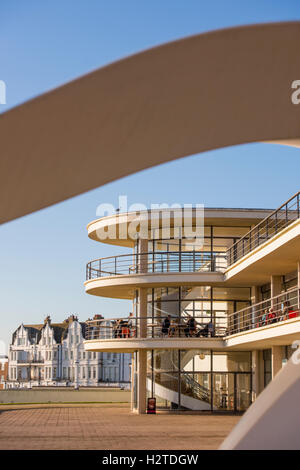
268	228
134	344
274	320
133	333
119	276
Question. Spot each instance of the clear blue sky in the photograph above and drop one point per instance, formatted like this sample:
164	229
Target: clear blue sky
45	43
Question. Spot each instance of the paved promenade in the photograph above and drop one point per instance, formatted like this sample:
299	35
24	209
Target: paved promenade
107	426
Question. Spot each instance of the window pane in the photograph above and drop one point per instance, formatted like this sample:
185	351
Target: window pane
232	361
195	360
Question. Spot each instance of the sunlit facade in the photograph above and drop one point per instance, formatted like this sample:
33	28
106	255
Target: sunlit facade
213	318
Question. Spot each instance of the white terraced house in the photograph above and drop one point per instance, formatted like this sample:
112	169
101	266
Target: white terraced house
214	319
53	354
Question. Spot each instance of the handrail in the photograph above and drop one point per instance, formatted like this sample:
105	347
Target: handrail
200	391
266	229
276	309
155	328
160	261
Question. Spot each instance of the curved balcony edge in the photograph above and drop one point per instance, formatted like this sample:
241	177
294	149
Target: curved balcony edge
135	344
122	286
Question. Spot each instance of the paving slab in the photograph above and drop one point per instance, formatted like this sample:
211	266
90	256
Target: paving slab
109	427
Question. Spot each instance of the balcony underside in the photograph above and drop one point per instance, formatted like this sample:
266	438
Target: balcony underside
134	344
118	223
123	286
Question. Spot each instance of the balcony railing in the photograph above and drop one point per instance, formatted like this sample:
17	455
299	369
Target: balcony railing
128	328
156	262
276	309
266	229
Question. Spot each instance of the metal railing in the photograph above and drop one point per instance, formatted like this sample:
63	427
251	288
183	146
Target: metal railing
158	327
193	388
273	310
156	262
266	229
276	309
188	385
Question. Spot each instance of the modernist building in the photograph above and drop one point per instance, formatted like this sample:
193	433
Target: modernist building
214	318
53	354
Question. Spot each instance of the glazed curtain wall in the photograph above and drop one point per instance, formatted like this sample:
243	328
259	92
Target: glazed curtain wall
216	239
178	253
200	380
204	303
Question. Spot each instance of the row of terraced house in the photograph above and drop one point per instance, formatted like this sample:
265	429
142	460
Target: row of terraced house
53	354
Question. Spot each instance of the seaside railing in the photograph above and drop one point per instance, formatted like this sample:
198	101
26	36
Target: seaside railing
156	262
266	229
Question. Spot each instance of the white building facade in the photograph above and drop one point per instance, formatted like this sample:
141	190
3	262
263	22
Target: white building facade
215	318
54	355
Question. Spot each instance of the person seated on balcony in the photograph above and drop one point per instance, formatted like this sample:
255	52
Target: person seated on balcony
118	329
191	328
208	330
271	316
211	329
264	318
166	326
284	314
174	329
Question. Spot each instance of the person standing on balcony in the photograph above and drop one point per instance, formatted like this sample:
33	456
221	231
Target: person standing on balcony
264	318
130	325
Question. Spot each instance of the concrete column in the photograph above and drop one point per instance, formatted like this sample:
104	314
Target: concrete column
277	356
255	298
142	313
257	371
142	376
255	294
275	289
143	259
132	380
142	330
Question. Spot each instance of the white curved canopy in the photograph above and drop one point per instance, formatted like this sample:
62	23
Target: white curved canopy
204	92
